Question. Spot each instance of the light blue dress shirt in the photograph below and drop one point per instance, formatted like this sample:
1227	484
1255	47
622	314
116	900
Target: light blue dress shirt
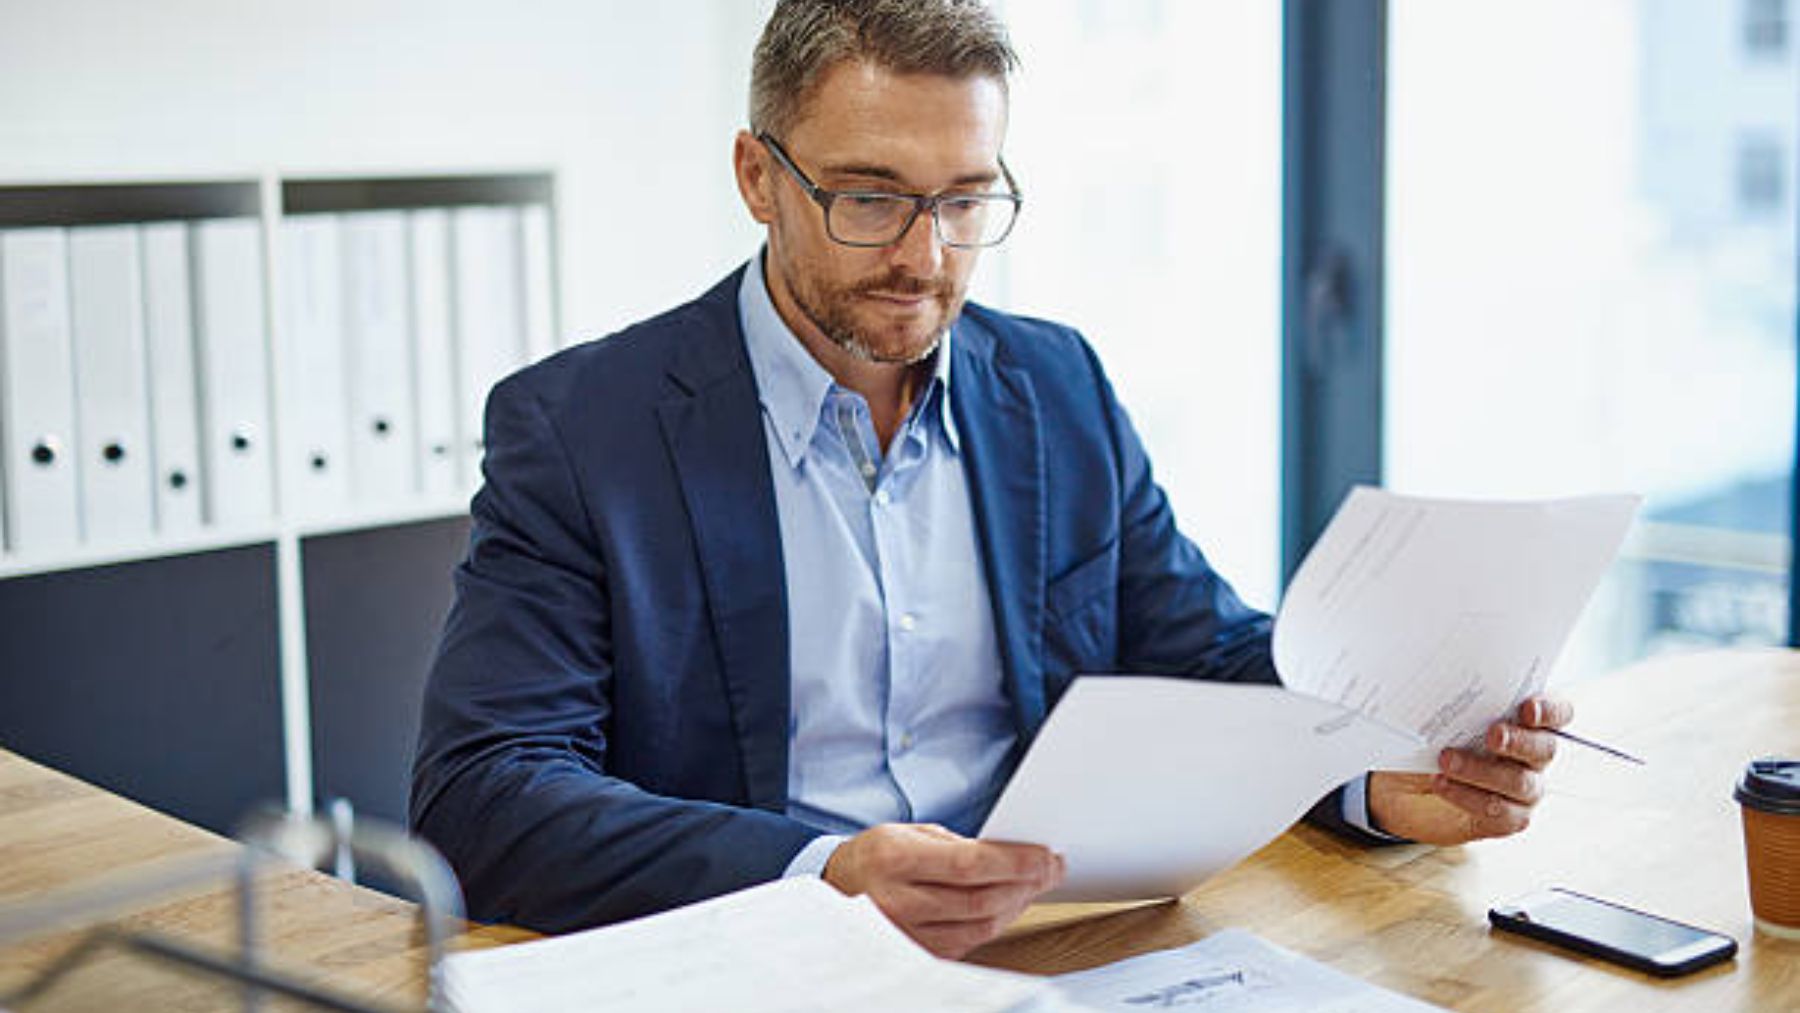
898	711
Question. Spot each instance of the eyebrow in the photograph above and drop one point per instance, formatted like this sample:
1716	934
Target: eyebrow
882	172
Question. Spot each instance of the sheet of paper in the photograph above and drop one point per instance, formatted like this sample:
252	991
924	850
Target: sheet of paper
1228	972
1439	616
793	946
1148	785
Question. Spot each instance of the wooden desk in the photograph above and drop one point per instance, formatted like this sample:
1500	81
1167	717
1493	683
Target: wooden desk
1665	838
58	833
1412	919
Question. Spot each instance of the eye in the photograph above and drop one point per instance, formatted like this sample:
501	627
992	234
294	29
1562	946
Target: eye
871	200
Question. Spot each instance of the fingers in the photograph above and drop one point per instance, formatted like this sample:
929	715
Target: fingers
1546	712
1533	748
1489	814
929	903
1512	781
958	861
948	892
953	940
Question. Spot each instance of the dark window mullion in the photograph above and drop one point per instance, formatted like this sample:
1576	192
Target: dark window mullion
1334	115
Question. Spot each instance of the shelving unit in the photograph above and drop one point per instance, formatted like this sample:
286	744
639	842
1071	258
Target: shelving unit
215	642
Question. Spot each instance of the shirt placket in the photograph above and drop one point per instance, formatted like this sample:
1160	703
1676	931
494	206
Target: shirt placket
886	481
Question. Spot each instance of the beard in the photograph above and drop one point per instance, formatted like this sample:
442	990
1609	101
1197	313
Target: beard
834	311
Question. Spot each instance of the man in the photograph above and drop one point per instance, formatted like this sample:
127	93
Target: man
783	581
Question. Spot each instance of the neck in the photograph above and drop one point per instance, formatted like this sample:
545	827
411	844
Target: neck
889	388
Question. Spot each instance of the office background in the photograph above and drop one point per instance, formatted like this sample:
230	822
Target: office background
1461	248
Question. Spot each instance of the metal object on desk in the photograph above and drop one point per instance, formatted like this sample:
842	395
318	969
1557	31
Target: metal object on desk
271	835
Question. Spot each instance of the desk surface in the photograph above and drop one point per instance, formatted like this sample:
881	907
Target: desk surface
1413	919
58	833
1665	838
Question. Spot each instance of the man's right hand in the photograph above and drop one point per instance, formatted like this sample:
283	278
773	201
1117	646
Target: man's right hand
949	893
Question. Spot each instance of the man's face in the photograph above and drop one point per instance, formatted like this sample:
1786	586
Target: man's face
866	128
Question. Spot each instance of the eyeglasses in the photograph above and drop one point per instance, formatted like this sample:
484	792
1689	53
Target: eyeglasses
878	218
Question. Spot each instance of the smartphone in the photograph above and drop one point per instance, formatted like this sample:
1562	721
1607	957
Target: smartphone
1613	932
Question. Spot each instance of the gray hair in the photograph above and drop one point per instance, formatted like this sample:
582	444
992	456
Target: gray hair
805	38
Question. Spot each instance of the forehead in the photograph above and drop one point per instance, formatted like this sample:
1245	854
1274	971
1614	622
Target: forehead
924	127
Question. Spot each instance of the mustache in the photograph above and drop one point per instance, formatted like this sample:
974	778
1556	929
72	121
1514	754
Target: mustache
900	283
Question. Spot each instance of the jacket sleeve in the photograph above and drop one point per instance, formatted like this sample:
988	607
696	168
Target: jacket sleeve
511	777
1177	615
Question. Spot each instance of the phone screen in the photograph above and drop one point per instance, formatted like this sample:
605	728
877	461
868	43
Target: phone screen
1610	930
1620	928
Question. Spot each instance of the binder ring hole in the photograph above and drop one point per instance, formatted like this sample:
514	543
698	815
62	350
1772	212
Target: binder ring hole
44	452
319	461
113	453
382	427
178	480
240	441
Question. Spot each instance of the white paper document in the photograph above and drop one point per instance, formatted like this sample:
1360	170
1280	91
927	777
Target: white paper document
791	946
1147	786
1440	616
1228	972
1412	625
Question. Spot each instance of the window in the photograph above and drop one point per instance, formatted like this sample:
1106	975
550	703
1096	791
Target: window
1579	300
1146	137
1760	168
1766	28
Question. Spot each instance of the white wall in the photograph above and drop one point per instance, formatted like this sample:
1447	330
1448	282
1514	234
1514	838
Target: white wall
632	104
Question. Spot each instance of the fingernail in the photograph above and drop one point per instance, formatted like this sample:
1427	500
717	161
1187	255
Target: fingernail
1505	739
1454	763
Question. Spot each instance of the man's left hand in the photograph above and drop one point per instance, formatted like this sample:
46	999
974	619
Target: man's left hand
1474	794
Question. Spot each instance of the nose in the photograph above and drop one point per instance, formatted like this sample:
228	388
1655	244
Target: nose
918	250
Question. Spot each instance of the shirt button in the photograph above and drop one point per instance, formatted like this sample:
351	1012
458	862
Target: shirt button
906	742
883	498
868	471
909	622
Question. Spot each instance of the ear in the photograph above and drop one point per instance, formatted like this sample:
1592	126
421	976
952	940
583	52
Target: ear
756	183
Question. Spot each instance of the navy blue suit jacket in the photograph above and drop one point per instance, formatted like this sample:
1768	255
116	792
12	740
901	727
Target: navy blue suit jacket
605	727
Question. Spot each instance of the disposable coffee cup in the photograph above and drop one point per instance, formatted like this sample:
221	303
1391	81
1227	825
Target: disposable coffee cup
1769	795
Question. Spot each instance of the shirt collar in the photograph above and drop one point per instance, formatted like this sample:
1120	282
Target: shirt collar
793	386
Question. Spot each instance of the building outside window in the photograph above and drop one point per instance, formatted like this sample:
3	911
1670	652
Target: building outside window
1765	28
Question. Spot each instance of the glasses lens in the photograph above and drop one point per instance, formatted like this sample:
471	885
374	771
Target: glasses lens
975	220
869	217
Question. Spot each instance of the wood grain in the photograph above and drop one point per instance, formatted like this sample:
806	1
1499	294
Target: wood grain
59	834
1666	838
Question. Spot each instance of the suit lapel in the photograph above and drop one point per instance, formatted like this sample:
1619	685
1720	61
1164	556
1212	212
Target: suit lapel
997	417
711	425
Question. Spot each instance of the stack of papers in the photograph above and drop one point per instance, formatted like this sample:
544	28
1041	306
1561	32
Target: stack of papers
1228	972
799	946
1412	625
791	946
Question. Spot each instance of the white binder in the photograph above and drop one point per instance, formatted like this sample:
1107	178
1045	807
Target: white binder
433	355
233	354
113	396
376	303
174	411
315	405
489	313
538	258
37	399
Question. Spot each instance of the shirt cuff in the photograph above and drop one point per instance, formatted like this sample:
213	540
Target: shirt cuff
1356	810
812	858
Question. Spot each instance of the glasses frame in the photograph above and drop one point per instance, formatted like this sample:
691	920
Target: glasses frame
921	203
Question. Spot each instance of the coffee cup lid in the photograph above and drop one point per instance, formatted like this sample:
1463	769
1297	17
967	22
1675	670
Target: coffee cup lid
1772	785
